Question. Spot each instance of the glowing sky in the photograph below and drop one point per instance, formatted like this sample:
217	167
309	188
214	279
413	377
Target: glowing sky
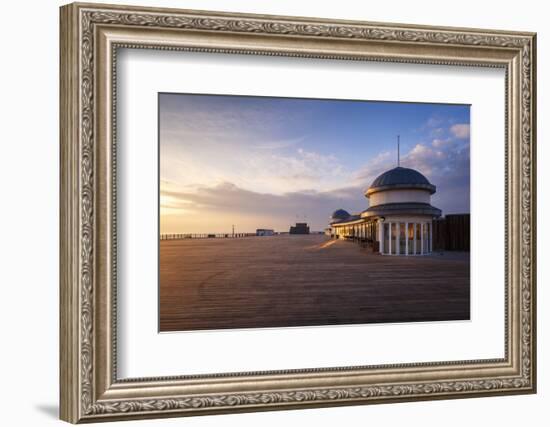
268	162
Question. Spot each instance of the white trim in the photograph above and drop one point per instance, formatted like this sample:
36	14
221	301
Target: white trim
146	353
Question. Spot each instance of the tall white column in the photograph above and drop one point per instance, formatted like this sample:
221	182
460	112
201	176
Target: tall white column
389	238
397	238
381	235
421	238
407	239
431	236
414	238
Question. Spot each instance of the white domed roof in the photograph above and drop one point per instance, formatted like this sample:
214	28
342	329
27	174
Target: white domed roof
400	178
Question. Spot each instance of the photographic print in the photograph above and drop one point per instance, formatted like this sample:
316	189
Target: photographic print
281	212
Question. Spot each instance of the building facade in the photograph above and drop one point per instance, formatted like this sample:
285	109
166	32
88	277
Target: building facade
299	228
399	220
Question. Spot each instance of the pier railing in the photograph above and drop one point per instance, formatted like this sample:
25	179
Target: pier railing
205	236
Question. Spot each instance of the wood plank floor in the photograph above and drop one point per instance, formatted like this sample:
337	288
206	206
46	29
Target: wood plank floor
304	280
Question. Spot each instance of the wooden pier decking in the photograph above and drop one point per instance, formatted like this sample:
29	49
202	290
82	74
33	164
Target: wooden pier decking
302	280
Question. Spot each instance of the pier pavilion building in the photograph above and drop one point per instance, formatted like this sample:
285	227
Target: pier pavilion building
399	220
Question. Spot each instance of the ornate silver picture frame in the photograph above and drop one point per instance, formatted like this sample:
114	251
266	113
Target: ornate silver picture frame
91	35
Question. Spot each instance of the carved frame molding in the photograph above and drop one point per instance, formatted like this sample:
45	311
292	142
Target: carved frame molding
90	37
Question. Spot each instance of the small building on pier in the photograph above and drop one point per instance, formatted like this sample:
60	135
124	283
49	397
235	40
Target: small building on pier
399	220
265	232
299	228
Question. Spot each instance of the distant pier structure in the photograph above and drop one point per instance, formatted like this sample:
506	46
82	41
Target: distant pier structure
299	228
265	232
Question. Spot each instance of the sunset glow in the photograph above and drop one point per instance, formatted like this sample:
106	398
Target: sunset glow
254	162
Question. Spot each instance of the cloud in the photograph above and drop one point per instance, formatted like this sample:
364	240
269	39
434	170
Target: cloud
200	120
259	166
461	130
441	143
275	166
445	162
217	208
447	166
253	146
434	122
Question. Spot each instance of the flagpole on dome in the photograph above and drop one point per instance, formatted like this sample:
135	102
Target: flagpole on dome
398	162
